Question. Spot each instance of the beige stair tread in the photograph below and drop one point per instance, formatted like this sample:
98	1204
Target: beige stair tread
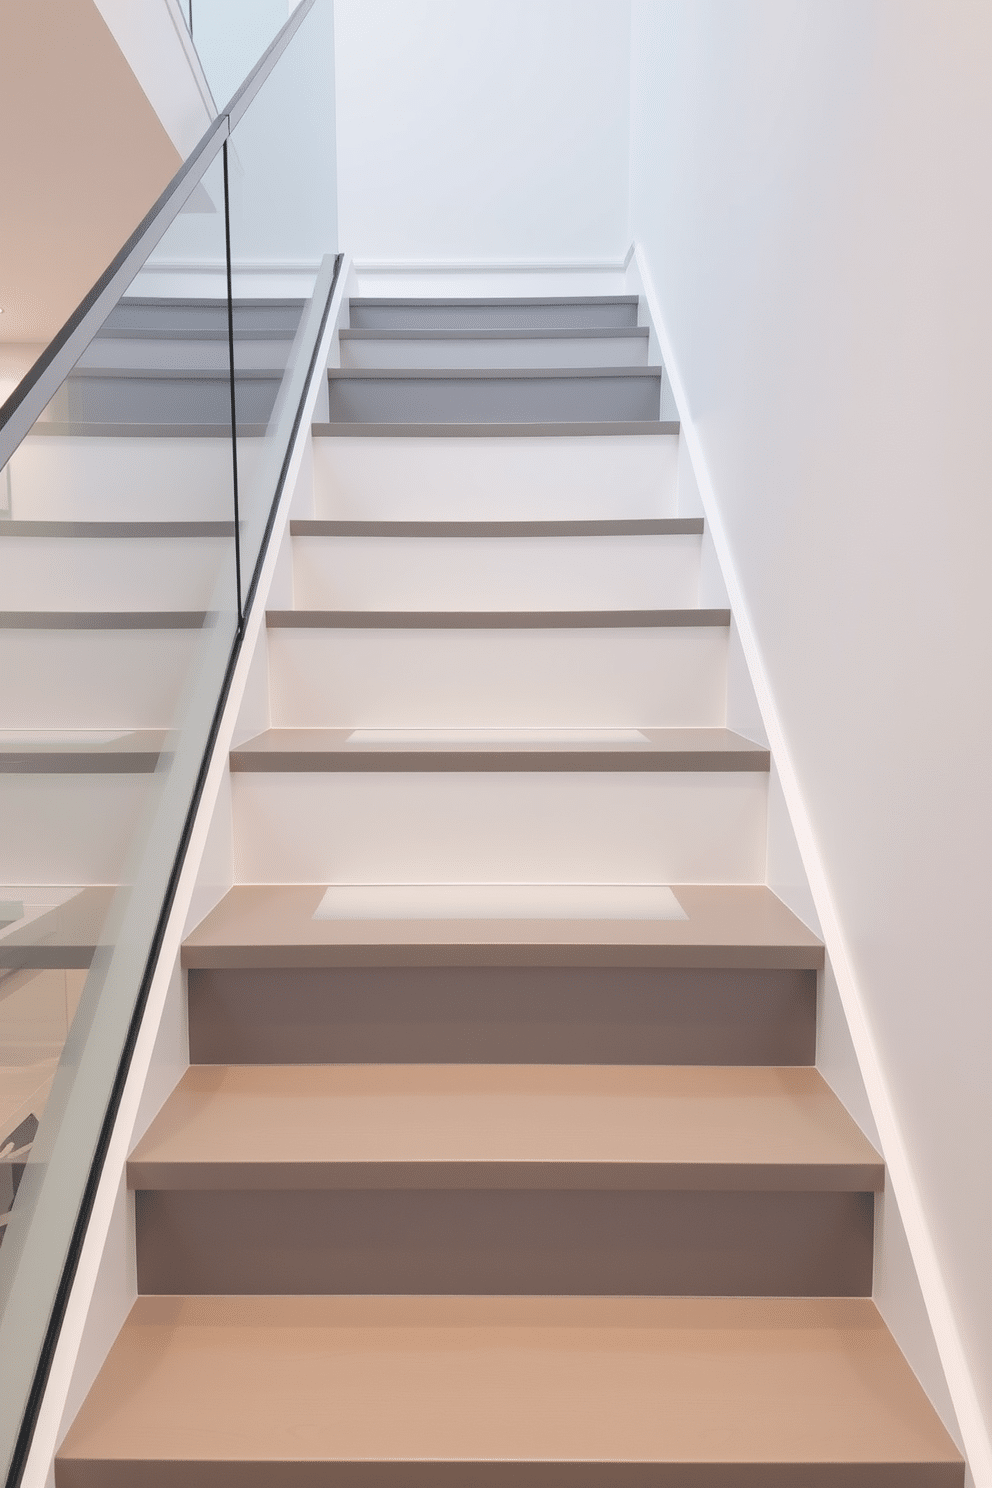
261	925
682	749
311	1380
395	1125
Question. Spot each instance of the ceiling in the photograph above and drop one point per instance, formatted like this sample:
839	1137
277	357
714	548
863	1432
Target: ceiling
84	157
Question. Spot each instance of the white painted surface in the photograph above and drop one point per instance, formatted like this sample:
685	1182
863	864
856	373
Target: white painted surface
100	573
495	573
496	130
489	478
622	351
93	679
497	678
489	901
84	478
60	829
808	187
610	827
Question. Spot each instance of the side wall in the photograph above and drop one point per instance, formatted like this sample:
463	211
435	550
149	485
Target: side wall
810	190
490	131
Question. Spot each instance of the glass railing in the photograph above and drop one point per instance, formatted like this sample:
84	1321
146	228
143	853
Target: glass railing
141	462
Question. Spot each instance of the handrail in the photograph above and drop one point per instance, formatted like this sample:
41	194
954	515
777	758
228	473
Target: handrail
37	388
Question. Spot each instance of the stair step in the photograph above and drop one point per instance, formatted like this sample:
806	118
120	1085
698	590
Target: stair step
502	1015
423	1391
496	571
509	1165
491	475
114	620
493	619
81	566
497	429
494	395
575	312
625	346
80	752
151	397
482	1126
500	750
63	937
738	926
601	527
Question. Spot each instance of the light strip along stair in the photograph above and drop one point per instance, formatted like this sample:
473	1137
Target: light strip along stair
502	1157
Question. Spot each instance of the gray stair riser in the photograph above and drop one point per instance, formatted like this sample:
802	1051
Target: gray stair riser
417	400
115	353
463	1015
507	352
164	399
505	1241
163	317
483	315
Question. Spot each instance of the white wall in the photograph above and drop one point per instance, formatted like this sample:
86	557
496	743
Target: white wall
487	131
811	185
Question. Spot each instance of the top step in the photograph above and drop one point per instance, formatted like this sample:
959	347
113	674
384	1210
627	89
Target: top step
580	313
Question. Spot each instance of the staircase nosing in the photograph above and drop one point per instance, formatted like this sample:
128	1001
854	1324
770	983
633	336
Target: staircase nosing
491	374
519	302
627	428
605	527
112	529
496	619
522	333
102	619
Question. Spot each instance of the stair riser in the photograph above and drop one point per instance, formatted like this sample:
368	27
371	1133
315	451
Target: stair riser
164	399
517	828
96	479
100	573
442	400
490	317
73	829
497	679
496	573
505	1242
93	679
463	1015
493	479
601	351
114	353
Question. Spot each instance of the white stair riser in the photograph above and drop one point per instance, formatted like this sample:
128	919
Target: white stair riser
80	478
472	827
490	478
619	351
75	829
497	678
93	679
496	573
156	573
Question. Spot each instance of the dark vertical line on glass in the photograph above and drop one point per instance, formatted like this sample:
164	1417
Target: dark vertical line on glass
234	411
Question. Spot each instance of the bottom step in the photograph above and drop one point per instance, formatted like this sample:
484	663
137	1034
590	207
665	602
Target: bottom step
558	1392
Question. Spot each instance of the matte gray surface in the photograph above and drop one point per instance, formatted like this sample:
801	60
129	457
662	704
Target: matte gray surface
563	395
605	527
202	318
493	619
192	396
502	1015
533	313
508	430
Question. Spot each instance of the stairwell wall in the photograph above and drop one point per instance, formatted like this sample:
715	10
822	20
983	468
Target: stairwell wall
495	131
810	194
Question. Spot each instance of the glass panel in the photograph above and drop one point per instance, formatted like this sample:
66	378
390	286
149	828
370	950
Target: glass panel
283	223
117	576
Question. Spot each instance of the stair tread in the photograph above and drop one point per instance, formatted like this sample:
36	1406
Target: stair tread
105	530
63	937
486	374
102	619
433	1381
495	619
441	302
671	749
336	1125
537	429
256	925
519	333
588	527
67	751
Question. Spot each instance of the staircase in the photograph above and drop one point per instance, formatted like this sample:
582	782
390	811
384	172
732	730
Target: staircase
502	1156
